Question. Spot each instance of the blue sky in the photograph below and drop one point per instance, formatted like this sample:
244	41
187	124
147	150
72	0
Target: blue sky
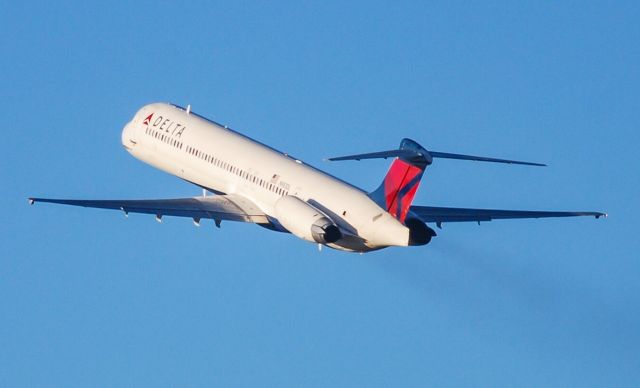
89	298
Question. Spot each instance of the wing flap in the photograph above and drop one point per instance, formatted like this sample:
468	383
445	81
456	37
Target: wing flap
219	207
451	214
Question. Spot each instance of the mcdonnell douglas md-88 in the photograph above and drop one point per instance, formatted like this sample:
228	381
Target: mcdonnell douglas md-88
256	183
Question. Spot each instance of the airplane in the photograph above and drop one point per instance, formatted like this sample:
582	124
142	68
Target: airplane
255	183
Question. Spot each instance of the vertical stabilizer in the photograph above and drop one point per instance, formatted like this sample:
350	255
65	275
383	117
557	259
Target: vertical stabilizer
400	185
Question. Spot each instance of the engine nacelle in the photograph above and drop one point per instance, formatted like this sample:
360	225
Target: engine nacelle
419	232
305	221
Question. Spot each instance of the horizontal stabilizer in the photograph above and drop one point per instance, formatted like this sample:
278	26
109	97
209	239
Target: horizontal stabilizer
412	152
379	155
446	155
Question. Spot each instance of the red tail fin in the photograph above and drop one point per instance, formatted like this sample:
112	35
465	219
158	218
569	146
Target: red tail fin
400	185
399	188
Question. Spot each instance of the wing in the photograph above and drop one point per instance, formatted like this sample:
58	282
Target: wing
219	207
451	214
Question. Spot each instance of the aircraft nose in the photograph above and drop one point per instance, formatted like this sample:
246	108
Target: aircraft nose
128	140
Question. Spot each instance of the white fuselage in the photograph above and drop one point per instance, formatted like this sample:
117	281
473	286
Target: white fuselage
221	160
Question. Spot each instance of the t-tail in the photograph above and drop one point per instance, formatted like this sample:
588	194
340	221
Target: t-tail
399	187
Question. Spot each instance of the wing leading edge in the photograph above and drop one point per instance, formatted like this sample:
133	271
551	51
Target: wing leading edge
218	208
451	214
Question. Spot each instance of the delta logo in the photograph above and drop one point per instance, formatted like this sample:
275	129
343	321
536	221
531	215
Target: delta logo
170	127
148	119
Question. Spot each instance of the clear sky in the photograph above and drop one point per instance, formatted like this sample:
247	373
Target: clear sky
89	298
